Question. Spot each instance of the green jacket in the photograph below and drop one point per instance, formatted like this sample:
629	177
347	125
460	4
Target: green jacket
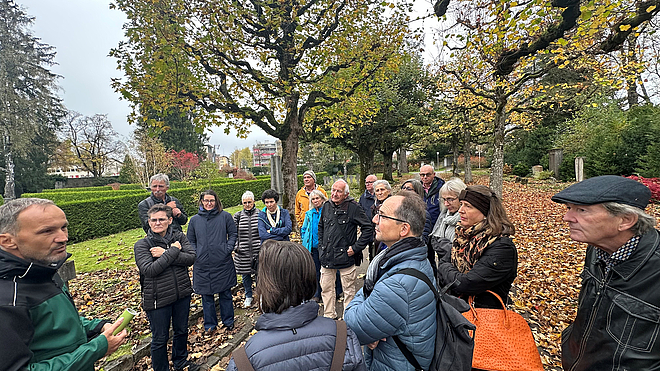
39	325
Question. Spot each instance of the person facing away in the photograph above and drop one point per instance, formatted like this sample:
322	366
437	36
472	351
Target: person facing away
291	335
40	326
618	315
212	234
159	185
302	197
274	220
247	244
393	304
339	244
163	258
483	256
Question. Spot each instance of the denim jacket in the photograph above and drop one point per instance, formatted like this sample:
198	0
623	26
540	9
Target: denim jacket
618	319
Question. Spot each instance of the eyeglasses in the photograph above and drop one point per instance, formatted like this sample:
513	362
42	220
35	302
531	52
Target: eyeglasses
158	220
389	217
450	199
407	189
425	174
208	201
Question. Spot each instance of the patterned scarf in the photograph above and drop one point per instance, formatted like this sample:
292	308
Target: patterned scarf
469	245
273	223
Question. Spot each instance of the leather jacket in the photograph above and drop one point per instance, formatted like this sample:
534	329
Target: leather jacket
618	318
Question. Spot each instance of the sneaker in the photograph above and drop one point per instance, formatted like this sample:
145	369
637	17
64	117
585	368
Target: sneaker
188	366
247	303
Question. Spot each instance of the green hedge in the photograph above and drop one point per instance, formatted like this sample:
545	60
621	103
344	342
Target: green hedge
58	197
131	186
80	189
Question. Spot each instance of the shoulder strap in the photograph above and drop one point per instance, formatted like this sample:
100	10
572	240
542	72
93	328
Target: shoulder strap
340	347
241	360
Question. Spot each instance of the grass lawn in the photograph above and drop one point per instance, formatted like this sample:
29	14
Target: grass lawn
116	250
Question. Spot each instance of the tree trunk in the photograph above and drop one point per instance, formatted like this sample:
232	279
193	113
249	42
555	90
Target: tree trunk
10	192
454	162
387	166
467	153
497	165
403	161
290	139
366	156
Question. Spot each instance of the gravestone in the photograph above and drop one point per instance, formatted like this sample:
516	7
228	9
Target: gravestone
556	156
536	170
67	271
276	179
579	169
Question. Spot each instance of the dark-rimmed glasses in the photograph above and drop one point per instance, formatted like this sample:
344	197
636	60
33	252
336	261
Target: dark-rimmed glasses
389	217
158	220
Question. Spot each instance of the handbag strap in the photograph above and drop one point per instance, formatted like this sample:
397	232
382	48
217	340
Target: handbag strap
241	360
474	312
340	347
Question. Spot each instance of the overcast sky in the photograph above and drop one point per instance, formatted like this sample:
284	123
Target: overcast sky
83	32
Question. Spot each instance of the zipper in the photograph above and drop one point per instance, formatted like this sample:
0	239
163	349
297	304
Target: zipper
592	319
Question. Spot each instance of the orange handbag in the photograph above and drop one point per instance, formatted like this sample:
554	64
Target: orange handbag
503	340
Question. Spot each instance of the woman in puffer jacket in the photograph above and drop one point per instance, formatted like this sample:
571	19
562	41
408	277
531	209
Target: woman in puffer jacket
310	233
292	336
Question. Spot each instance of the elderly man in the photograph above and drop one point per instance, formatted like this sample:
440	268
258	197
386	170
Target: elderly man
618	317
432	185
367	200
396	305
159	185
302	197
339	246
40	326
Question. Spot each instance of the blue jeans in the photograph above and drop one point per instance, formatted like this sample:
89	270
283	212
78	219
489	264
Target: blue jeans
317	263
226	310
247	284
159	321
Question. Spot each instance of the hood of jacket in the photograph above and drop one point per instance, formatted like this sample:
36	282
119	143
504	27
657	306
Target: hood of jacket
12	266
292	317
208	214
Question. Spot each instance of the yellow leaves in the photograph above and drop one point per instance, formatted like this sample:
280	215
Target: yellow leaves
650	8
624	27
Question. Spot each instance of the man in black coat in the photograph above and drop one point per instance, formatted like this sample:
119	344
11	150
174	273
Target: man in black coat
159	185
367	200
339	246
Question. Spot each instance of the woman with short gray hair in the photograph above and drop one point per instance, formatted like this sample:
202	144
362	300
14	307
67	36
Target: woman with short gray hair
442	236
247	245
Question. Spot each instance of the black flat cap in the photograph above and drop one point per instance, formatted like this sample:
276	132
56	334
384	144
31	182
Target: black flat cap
605	188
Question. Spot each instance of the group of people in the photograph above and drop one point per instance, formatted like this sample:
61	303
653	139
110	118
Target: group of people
465	227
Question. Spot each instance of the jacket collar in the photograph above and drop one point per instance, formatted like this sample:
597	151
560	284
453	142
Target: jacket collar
207	213
292	317
410	248
165	199
648	245
157	237
13	266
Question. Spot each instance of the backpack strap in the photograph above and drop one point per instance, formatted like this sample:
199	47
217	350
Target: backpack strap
340	347
241	360
402	347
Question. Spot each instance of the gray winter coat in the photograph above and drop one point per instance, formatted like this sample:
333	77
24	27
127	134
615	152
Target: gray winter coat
248	244
298	340
213	235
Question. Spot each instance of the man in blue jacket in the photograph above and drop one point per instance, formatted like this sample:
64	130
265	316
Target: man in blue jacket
392	304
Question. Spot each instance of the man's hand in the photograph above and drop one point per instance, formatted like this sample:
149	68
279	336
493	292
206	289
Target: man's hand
156	252
114	341
175	210
373	345
350	251
176	244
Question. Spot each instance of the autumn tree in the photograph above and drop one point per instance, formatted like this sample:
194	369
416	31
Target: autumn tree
183	164
176	130
93	140
29	105
266	63
242	158
148	156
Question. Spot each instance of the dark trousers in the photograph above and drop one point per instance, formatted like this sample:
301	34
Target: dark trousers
247	284
226	310
317	263
159	321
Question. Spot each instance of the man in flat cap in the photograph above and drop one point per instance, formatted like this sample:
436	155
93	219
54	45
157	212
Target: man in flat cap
618	318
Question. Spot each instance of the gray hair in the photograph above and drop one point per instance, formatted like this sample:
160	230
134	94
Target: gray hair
413	211
645	222
383	182
248	195
316	192
160	177
346	189
9	212
453	185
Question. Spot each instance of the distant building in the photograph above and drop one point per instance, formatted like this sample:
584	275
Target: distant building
261	152
112	168
222	161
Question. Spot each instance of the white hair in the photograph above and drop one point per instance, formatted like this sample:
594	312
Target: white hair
248	195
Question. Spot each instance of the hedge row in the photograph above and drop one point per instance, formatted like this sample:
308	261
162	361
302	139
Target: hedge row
58	197
99	188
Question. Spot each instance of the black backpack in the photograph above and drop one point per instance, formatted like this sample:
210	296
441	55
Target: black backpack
454	343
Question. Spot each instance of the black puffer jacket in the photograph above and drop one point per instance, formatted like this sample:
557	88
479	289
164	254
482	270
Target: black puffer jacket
495	271
338	231
618	317
165	279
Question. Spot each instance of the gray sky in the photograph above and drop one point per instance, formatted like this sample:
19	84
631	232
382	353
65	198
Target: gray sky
83	32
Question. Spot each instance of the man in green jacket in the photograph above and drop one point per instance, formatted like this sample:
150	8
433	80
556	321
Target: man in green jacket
40	326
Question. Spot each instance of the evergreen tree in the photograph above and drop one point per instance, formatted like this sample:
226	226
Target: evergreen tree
127	174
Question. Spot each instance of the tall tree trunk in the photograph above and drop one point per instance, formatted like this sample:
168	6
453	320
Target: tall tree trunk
467	152
10	191
366	156
387	165
290	139
497	165
403	161
455	141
